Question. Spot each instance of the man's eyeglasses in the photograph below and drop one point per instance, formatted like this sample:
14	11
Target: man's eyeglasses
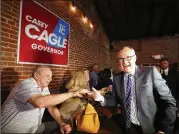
128	58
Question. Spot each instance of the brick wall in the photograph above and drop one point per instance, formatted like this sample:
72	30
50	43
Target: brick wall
86	45
168	47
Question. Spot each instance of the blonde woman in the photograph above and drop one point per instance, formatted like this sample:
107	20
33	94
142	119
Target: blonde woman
79	81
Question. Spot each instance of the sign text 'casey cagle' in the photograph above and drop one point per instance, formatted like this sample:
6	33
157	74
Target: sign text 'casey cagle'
52	39
43	36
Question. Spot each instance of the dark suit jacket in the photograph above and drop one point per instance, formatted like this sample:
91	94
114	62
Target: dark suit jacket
152	96
172	80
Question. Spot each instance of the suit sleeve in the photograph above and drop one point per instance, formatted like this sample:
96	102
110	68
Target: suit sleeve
166	100
177	92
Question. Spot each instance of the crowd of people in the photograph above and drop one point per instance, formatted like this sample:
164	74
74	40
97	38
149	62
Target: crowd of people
148	98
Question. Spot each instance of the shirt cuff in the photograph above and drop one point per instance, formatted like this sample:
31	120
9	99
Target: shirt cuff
102	102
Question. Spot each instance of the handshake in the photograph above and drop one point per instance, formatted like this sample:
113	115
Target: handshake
105	90
94	94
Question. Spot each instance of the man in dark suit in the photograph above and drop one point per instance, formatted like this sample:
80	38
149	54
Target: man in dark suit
171	76
172	80
142	95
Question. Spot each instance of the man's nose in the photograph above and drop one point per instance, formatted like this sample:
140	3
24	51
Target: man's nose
125	61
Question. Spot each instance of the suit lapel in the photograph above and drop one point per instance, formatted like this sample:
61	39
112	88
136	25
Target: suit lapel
122	89
138	82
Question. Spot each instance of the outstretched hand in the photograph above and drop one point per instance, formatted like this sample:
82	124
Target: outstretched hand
80	93
95	95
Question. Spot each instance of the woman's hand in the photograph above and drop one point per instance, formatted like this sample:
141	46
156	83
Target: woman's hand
104	90
109	88
65	128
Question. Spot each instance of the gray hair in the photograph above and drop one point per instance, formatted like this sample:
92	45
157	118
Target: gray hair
127	47
39	68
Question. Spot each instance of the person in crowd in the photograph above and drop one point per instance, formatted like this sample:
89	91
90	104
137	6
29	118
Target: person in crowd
104	80
94	75
24	107
145	100
104	86
171	76
78	82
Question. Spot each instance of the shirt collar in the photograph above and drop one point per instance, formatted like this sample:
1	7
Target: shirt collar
166	70
35	82
132	73
40	89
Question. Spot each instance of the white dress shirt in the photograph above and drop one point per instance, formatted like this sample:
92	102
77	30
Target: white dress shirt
164	71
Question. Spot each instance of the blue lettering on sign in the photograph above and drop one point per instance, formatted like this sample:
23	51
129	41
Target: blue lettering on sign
60	33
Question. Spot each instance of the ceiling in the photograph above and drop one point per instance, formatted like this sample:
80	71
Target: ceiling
137	19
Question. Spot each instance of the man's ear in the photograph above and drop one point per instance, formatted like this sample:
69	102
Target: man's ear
135	58
35	75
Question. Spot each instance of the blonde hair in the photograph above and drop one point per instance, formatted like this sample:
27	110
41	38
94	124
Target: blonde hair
77	82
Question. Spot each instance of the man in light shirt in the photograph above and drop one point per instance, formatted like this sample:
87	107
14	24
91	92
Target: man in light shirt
147	106
23	109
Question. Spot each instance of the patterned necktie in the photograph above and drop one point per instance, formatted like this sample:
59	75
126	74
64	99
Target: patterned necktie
128	96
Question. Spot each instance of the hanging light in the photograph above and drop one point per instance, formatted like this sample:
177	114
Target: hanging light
84	19
73	8
91	25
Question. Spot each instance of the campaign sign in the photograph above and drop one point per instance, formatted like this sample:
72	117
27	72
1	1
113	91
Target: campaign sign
43	36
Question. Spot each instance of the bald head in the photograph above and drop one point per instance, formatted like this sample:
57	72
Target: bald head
126	49
39	69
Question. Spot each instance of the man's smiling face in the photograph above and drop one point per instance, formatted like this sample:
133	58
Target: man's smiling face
127	59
